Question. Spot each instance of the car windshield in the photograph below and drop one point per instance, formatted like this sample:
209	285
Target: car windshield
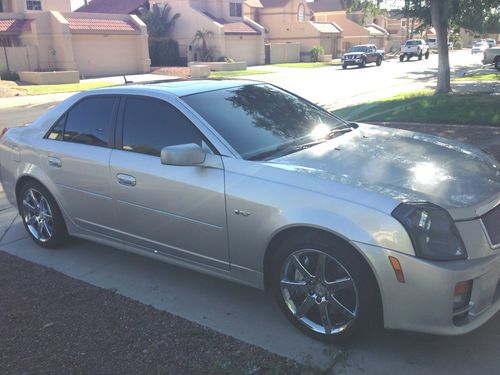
358	49
413	43
261	121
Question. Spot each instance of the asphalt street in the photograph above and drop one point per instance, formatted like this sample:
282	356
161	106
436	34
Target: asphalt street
248	314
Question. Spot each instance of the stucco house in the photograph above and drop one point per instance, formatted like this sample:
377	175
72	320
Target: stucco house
234	35
45	36
290	21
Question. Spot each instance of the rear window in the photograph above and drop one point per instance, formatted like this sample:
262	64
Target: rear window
413	42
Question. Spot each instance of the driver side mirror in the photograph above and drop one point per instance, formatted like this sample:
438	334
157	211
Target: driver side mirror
188	154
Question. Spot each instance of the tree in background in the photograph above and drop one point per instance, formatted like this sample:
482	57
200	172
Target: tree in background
204	51
443	15
163	50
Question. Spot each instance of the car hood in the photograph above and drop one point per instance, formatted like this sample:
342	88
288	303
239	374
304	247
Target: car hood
403	165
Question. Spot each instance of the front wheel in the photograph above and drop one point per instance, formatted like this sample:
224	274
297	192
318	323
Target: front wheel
497	65
379	61
324	288
41	215
363	63
427	55
401	58
420	56
344	66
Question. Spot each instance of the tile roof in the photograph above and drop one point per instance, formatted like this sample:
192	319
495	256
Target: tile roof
320	6
111	6
231	27
13	26
99	24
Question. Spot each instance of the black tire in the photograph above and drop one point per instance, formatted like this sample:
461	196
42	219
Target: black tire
344	66
363	63
497	64
59	233
427	55
408	57
401	58
420	56
368	312
379	61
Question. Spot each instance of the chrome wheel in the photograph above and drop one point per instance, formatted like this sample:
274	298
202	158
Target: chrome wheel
37	215
319	291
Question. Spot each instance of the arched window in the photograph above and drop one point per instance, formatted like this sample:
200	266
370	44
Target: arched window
301	13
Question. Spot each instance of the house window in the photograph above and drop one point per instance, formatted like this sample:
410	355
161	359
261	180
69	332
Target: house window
33	5
235	9
301	13
403	23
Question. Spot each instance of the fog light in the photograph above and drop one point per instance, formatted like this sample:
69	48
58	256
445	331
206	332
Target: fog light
462	294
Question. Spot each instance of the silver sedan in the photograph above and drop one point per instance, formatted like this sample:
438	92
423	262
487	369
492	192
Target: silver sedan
350	225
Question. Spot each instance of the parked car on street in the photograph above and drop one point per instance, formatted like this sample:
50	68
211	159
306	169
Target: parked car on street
491	42
349	224
362	55
412	48
492	56
479	47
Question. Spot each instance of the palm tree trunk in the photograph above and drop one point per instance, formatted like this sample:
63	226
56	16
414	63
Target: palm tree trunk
439	14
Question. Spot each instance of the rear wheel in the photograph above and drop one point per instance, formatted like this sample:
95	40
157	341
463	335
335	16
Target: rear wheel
379	61
497	64
41	216
324	288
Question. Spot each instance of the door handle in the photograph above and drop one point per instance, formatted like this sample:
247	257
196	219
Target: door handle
55	162
126	179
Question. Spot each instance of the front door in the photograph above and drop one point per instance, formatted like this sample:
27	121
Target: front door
178	211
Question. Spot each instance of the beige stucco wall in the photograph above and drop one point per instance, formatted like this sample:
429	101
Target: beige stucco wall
20	5
249	48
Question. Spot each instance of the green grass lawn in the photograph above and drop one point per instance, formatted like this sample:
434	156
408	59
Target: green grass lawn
309	64
480	77
424	107
69	87
238	73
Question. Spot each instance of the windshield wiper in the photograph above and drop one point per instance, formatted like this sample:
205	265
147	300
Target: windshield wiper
289	148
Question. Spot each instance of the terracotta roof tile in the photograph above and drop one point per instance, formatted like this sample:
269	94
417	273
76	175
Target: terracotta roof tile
240	27
96	24
13	26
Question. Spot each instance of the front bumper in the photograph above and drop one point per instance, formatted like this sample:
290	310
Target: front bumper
351	62
424	303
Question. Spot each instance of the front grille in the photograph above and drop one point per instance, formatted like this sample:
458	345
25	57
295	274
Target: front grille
491	222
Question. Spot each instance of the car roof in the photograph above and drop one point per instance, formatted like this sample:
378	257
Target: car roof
179	87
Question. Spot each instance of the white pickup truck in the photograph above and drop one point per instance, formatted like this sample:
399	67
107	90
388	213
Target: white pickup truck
414	47
492	56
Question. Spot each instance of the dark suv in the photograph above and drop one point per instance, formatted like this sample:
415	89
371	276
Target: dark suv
362	55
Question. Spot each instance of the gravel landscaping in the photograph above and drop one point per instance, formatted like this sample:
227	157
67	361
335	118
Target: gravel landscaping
50	323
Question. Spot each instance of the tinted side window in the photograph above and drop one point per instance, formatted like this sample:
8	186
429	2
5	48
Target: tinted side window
57	130
89	122
149	125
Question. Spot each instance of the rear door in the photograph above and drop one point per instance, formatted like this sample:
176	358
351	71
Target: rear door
177	211
76	153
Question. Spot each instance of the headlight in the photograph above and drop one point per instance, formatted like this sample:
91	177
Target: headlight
432	231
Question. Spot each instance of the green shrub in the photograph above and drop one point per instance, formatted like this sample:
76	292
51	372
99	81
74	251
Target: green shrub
458	45
225	59
315	52
9	76
164	52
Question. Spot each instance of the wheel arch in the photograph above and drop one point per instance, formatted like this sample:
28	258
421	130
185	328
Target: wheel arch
285	233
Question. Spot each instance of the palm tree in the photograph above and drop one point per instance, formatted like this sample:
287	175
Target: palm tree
205	52
158	20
